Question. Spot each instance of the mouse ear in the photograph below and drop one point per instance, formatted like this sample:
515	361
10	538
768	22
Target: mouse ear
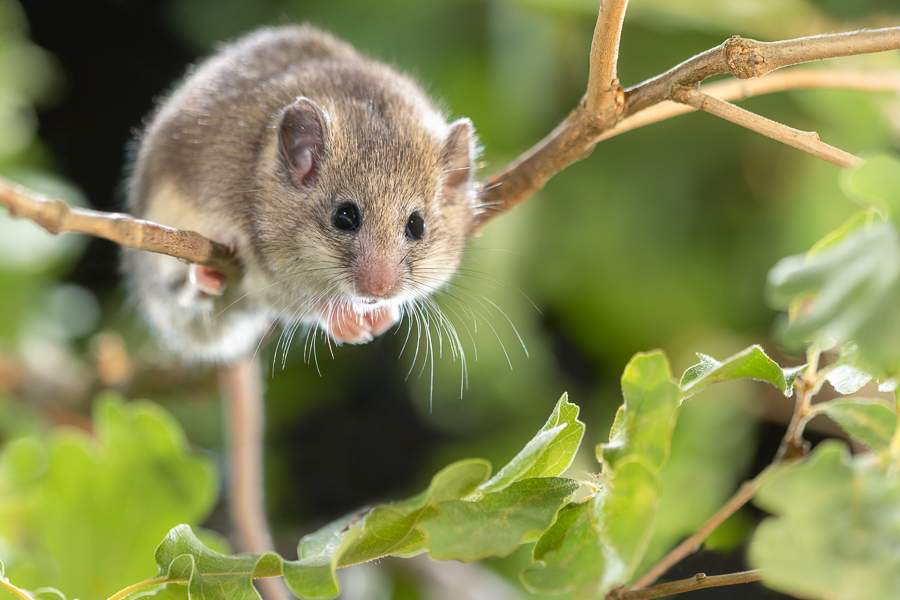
459	148
302	140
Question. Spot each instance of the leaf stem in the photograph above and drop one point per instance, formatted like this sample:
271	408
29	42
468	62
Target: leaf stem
808	385
697	582
17	592
691	544
142	585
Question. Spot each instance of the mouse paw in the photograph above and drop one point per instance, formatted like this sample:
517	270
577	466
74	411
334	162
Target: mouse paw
345	325
207	280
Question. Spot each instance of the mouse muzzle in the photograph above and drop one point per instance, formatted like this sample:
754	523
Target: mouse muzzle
377	279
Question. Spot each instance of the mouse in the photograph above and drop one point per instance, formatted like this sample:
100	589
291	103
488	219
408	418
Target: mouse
345	193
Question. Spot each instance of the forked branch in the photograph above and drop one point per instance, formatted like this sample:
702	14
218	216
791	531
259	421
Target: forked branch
745	58
732	90
605	111
577	136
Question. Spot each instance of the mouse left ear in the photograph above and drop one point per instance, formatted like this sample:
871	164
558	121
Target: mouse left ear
459	148
302	140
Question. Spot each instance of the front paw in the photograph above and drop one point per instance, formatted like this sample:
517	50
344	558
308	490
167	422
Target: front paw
345	325
206	280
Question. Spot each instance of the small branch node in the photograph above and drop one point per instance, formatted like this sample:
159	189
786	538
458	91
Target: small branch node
745	58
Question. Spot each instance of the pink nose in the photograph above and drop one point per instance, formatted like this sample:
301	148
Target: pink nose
377	280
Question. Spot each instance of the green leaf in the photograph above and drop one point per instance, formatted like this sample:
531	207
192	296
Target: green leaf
859	220
850	291
88	511
171	591
836	528
393	528
791	373
312	575
22	463
48	593
571	554
875	183
597	545
847	379
751	363
497	523
712	448
629	513
549	453
868	421
645	421
211	575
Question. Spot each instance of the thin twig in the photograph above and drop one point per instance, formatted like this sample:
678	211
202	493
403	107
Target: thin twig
58	217
692	543
802	140
745	58
241	387
732	90
571	141
697	582
807	386
603	91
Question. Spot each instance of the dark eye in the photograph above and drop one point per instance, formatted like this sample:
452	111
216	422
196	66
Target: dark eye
346	217
415	227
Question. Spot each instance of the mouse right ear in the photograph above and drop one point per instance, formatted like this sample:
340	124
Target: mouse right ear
302	140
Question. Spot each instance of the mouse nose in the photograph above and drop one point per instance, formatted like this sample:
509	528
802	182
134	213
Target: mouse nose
377	280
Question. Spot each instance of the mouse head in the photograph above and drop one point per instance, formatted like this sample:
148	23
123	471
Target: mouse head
380	200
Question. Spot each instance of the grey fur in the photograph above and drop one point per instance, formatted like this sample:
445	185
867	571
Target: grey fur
210	161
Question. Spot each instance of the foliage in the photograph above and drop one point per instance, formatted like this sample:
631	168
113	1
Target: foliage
588	546
857	497
84	513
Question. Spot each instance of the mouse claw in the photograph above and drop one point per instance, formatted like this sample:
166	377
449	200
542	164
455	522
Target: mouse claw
207	280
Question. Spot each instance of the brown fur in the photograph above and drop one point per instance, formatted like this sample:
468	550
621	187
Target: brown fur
210	161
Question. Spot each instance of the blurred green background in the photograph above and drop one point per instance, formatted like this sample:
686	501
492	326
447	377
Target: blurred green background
661	239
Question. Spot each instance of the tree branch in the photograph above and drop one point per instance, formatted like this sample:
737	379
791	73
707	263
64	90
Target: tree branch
58	217
732	90
571	141
807	386
746	58
691	544
697	582
604	95
576	137
802	140
615	111
242	392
